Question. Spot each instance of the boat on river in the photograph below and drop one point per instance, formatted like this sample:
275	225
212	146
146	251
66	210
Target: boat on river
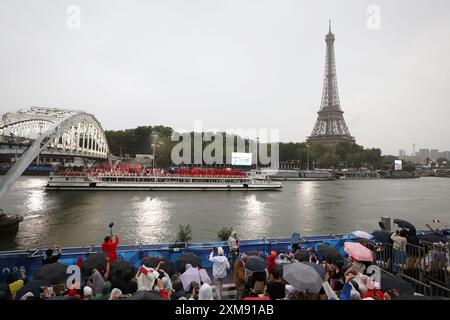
297	175
9	225
187	179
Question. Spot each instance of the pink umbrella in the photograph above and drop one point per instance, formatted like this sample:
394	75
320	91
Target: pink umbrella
194	274
362	234
358	251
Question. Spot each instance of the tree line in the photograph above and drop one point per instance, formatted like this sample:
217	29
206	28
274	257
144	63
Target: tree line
130	142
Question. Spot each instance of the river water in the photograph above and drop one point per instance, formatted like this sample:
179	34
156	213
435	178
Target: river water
73	218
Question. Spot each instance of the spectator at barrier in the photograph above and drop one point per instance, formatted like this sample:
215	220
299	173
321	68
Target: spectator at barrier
115	294
205	292
349	292
177	290
73	293
104	295
96	282
193	291
109	246
220	266
125	283
87	293
271	264
50	257
233	244
275	289
399	248
356	266
146	278
240	277
16	281
47	293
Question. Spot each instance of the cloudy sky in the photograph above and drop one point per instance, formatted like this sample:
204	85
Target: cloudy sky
234	64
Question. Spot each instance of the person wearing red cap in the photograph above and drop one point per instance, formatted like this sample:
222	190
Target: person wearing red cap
271	264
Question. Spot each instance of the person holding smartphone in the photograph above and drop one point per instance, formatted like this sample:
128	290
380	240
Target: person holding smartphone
50	257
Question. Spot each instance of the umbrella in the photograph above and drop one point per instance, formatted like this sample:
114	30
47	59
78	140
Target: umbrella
256	263
255	253
279	268
319	269
382	236
55	273
433	238
187	258
94	261
405	225
194	274
34	287
119	267
152	262
329	252
301	255
390	281
358	251
146	295
302	277
362	234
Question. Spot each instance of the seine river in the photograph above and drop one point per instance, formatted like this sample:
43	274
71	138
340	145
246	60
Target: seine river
82	218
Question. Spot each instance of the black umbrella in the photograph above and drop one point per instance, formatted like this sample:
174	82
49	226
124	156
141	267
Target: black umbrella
301	255
34	287
119	267
390	281
146	295
256	263
329	252
319	269
55	273
255	253
94	261
382	236
279	268
187	258
405	225
152	262
433	238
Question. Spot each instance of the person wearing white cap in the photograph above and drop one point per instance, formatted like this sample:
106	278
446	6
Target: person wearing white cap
87	293
205	292
220	266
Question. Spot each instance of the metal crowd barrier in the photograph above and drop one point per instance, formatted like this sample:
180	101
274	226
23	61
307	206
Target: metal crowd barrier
425	266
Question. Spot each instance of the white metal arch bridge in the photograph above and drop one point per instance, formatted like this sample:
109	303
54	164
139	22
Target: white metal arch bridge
52	131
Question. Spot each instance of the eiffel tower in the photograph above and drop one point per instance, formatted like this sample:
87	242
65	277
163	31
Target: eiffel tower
330	128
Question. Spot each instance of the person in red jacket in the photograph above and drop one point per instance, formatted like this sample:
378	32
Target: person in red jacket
271	264
109	247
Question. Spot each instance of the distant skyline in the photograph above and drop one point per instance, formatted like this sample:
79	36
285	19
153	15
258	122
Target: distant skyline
234	64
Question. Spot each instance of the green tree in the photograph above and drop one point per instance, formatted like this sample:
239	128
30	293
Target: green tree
224	233
329	159
184	233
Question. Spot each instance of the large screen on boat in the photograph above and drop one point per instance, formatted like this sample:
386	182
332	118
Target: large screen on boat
241	159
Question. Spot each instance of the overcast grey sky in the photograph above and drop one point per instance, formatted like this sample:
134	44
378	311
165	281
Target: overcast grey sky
234	64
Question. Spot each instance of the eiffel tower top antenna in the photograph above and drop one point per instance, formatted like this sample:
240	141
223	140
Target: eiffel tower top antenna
329	25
